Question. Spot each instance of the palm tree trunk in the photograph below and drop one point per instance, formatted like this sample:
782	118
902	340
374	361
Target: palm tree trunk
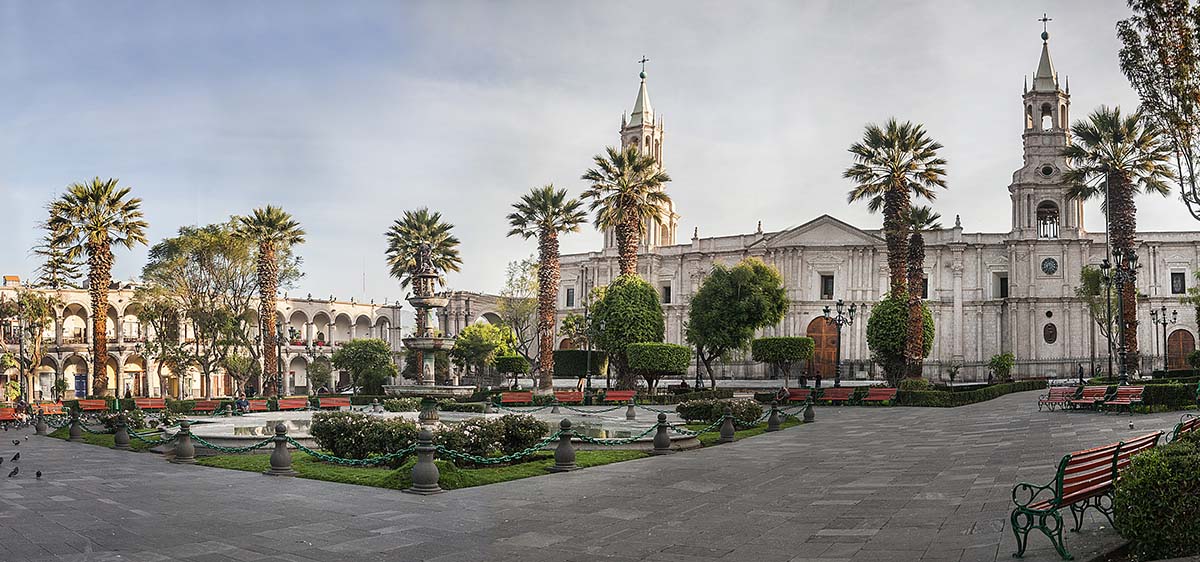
548	280
628	237
268	284
914	347
100	262
1124	232
895	235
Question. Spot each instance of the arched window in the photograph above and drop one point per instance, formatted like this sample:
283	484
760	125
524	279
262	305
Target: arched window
1047	117
1062	117
1028	117
649	145
1047	219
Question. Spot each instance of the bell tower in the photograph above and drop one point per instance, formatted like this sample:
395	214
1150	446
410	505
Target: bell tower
643	131
1040	206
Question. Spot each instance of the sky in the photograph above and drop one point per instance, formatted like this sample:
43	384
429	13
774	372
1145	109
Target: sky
346	114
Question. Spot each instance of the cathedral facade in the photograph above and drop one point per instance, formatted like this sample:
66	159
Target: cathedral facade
989	293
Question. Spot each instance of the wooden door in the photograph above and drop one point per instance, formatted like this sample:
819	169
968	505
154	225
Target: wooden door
824	359
1180	344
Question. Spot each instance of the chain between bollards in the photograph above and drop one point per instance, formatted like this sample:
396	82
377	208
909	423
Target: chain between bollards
662	439
185	451
727	429
773	420
281	457
564	453
425	473
121	434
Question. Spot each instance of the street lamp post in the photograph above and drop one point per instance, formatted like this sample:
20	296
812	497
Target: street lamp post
279	358
1124	273
1159	318
587	339
21	349
840	319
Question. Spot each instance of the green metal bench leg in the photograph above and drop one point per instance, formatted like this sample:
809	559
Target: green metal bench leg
1055	535
1021	532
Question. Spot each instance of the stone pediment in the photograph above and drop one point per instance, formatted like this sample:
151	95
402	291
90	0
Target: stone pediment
821	231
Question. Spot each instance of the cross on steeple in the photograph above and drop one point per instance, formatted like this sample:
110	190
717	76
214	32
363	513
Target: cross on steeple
1044	19
644	61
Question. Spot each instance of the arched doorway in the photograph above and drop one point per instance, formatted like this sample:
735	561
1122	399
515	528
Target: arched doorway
824	359
1180	344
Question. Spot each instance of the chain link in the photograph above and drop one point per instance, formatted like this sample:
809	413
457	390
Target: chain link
713	426
369	461
616	441
655	410
442	449
530	411
582	411
245	449
151	442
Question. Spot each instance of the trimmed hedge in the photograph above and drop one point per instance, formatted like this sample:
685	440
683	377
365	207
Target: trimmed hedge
709	411
944	399
781	349
658	358
1156	505
571	363
512	364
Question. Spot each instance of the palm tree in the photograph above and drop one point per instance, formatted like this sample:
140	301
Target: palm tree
275	231
1129	152
891	164
88	221
546	212
626	191
407	234
920	218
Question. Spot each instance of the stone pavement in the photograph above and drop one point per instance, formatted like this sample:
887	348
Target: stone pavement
861	484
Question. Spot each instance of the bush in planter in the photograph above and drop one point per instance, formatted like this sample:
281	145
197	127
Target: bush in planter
493	437
407	404
1156	505
709	411
656	360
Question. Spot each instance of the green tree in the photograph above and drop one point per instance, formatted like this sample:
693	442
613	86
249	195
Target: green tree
782	352
407	234
241	367
1100	298
320	373
57	270
1160	55
478	345
1001	364
656	360
34	311
1126	152
88	221
546	213
513	365
518	304
369	361
891	164
731	305
628	312
576	328
920	218
626	192
887	335
159	310
275	232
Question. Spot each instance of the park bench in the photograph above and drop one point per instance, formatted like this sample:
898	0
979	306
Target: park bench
206	406
92	405
292	404
49	409
150	403
880	395
1084	479
568	397
259	406
1058	396
619	395
8	415
798	394
1126	396
1187	424
1091	396
334	402
516	398
836	394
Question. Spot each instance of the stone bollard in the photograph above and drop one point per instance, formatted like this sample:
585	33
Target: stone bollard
281	457
76	432
727	429
375	405
185	451
564	453
121	434
429	411
554	409
425	473
629	413
40	426
809	414
773	419
487	407
662	440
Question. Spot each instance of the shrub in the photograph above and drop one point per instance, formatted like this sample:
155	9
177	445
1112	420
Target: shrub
407	404
1193	359
134	419
355	436
887	333
782	351
1156	505
1001	364
450	405
709	411
725	393
492	437
915	384
655	360
1173	396
944	399
571	363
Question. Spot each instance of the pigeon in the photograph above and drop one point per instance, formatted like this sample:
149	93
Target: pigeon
16	457
14	472
38	474
27	438
16	441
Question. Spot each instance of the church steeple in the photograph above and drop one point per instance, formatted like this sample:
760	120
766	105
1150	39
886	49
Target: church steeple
642	112
1045	79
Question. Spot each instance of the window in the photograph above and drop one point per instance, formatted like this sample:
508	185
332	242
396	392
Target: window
1000	285
666	294
826	287
1178	283
925	288
570	297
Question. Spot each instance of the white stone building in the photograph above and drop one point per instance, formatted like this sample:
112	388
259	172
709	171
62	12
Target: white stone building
989	292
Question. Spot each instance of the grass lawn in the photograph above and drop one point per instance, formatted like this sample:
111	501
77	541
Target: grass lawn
452	477
102	439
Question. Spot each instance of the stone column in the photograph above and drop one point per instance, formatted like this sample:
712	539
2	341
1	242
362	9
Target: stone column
957	268
58	331
308	333
329	332
88	324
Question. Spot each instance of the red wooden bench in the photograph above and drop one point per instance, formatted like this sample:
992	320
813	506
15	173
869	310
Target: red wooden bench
1187	424
259	406
1126	396
1058	396
8	415
1083	480
798	394
206	406
150	403
568	397
836	394
334	402
619	395
49	409
93	405
292	404
880	395
1091	396
516	398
